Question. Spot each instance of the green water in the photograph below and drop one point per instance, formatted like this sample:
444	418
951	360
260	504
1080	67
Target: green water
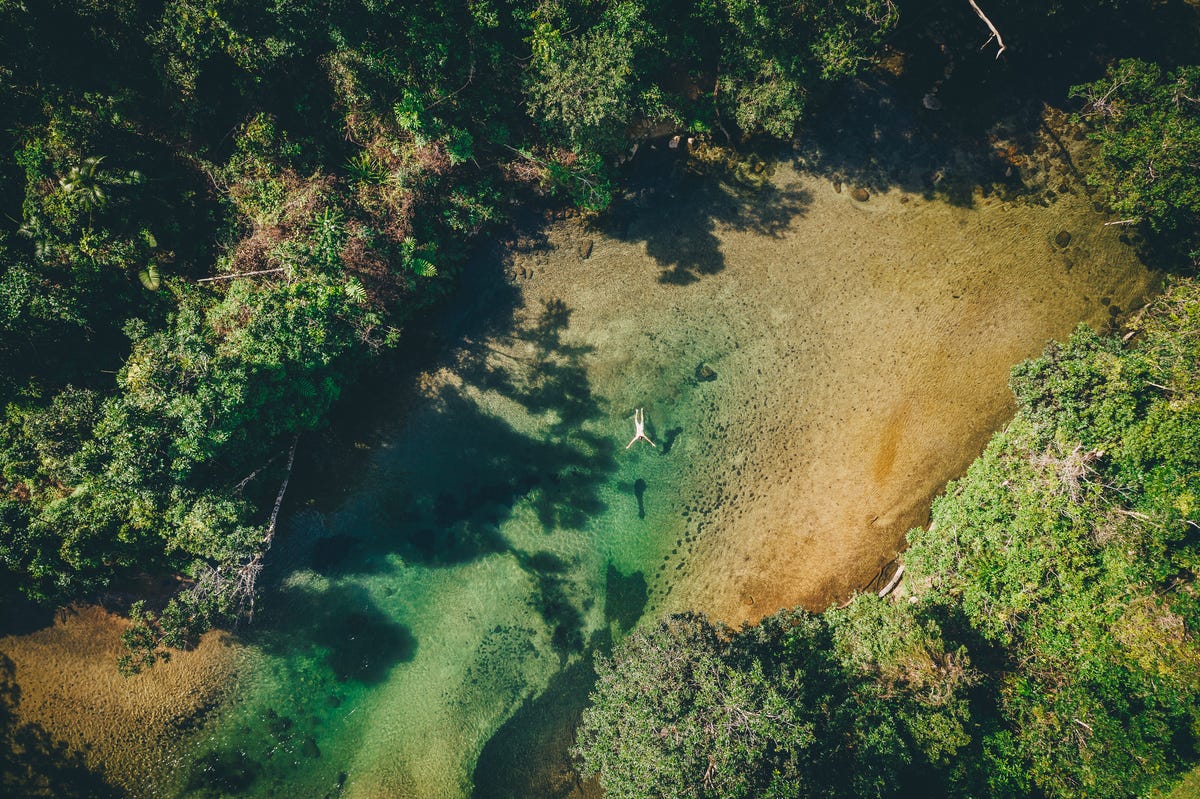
430	634
499	535
813	368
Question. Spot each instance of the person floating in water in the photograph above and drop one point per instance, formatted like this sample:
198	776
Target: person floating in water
639	429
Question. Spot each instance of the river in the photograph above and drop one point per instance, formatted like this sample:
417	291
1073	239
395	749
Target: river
814	362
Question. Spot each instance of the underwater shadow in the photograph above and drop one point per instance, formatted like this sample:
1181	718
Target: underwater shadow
677	205
459	471
530	754
341	625
879	137
20	615
32	762
372	411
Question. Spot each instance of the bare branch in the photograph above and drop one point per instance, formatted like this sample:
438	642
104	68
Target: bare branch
995	33
246	579
269	536
246	480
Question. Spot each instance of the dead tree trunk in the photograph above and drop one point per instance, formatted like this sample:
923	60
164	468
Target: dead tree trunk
995	33
895	581
246	578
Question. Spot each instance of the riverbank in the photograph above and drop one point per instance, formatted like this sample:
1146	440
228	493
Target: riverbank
859	351
130	728
816	355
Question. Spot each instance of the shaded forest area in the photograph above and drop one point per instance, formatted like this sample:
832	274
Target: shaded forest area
217	214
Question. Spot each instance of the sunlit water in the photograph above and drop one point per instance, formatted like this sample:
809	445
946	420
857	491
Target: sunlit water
813	368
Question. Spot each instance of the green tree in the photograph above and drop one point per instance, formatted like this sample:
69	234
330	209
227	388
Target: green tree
1068	547
587	84
672	716
1147	123
857	702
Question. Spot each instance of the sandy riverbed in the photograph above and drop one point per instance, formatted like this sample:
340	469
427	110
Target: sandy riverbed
813	367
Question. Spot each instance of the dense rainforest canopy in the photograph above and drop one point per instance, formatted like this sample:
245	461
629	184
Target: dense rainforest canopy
216	212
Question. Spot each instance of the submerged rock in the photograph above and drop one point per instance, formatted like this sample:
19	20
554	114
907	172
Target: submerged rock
705	373
860	194
1062	238
585	249
309	748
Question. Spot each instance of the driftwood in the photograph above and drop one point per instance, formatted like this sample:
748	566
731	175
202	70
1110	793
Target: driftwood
895	581
995	33
1122	222
887	589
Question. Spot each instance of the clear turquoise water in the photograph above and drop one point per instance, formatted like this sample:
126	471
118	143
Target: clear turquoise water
430	634
500	535
428	620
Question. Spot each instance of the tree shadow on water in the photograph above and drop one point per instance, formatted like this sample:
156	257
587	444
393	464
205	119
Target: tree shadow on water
32	762
529	756
461	470
678	217
341	626
879	138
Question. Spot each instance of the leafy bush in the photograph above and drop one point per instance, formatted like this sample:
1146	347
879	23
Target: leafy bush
1147	123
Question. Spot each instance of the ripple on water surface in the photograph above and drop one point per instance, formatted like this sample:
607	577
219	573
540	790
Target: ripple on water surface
813	368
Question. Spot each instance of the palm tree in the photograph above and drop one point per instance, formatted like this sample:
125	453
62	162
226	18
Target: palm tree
85	181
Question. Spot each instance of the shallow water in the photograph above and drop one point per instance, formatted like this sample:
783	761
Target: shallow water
813	368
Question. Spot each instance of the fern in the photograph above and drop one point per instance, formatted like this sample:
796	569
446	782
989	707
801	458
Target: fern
363	168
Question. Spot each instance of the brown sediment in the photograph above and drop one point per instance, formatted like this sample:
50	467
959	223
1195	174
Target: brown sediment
862	353
889	444
129	728
857	358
